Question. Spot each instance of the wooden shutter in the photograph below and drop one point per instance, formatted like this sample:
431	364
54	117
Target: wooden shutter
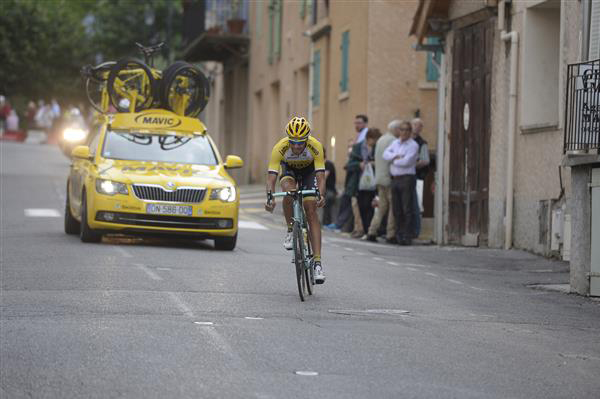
345	50
316	94
594	49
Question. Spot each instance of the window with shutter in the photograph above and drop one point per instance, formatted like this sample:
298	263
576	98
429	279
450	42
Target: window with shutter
432	59
345	47
277	28
316	95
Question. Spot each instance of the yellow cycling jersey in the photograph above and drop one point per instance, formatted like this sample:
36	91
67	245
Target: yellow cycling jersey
312	154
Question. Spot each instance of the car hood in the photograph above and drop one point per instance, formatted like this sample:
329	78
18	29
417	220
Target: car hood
146	172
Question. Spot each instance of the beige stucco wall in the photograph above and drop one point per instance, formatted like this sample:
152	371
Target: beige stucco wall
397	85
386	76
274	88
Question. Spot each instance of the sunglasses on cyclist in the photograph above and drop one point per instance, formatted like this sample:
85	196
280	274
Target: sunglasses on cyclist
297	142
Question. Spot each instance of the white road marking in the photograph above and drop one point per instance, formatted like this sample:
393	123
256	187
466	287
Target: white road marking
431	274
123	251
392	263
478	289
246	224
414	265
454	281
164	268
348	249
412	269
149	272
204	323
378	259
306	373
361	253
42	213
185	309
253	318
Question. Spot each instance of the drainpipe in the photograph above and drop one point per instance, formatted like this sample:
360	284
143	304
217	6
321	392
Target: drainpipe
440	145
513	37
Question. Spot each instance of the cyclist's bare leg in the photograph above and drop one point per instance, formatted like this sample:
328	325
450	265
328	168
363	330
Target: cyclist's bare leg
288	183
310	207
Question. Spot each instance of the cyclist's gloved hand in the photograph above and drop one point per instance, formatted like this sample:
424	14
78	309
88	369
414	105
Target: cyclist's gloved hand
320	200
270	204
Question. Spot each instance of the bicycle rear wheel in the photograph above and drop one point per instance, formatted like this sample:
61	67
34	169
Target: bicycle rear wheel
95	84
184	89
298	246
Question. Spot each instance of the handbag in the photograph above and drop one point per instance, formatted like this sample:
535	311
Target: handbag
367	179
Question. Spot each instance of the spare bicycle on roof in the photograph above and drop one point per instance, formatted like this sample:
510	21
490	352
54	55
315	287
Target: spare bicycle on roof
131	85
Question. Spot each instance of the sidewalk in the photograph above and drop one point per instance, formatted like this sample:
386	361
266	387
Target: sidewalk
495	267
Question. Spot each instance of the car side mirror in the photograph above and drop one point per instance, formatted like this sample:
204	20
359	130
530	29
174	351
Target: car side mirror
233	162
81	151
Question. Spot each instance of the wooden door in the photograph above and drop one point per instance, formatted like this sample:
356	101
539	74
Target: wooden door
470	134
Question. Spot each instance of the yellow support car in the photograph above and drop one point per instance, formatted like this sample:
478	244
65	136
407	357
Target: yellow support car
152	172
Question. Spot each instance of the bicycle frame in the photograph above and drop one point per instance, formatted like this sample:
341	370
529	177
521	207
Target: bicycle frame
302	252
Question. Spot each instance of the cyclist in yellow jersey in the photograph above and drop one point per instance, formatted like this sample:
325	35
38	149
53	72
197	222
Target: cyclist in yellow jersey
300	158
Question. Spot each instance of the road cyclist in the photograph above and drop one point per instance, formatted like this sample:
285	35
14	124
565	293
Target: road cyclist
300	158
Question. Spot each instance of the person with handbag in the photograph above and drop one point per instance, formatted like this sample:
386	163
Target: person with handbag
361	160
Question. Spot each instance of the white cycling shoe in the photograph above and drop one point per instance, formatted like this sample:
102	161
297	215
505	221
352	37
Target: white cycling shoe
319	275
287	242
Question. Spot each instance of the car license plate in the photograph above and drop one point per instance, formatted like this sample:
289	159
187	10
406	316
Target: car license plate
165	209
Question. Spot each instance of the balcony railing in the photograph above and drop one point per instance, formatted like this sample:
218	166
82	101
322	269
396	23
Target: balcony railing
218	12
582	108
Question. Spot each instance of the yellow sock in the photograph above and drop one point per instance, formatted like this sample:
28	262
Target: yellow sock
317	257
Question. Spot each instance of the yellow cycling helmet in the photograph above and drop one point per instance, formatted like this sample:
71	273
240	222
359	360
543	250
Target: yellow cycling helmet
298	129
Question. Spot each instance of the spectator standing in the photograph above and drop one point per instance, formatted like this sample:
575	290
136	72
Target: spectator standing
422	168
30	115
330	190
365	196
361	123
402	154
384	182
348	204
12	122
4	112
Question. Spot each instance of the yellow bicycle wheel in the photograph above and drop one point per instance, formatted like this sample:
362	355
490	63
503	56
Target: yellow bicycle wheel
184	89
131	86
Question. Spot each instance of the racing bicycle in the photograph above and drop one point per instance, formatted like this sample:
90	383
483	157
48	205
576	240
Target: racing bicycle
302	252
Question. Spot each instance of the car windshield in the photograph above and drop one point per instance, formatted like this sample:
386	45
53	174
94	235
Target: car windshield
193	149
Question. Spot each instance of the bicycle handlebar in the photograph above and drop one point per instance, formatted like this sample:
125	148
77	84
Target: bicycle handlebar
302	192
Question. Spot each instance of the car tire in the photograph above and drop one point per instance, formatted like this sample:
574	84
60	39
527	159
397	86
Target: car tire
72	226
225	243
86	234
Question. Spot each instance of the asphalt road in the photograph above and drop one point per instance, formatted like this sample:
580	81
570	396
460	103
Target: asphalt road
163	318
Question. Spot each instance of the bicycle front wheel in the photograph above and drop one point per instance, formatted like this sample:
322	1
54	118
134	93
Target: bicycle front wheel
308	270
298	246
131	86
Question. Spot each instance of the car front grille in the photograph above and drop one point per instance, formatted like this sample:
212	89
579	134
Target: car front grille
157	193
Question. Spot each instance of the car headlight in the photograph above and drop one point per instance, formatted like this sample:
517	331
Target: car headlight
225	194
110	187
74	134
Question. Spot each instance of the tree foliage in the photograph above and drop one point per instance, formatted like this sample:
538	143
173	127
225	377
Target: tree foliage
44	43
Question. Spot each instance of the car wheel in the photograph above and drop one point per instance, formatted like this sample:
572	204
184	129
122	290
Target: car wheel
225	243
86	233
72	226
